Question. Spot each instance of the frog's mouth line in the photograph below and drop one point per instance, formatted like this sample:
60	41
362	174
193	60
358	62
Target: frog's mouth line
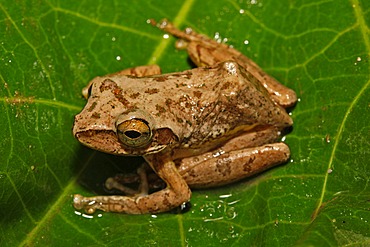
107	141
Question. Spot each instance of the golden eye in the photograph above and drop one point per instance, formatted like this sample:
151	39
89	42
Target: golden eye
134	132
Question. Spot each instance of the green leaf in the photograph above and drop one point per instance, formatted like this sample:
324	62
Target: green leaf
51	49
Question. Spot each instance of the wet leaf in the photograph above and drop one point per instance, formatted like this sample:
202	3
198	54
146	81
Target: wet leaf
51	49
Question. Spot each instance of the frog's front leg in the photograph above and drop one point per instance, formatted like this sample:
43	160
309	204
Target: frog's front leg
219	168
176	193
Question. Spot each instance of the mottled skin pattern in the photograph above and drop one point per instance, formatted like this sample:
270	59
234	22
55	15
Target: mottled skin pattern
200	128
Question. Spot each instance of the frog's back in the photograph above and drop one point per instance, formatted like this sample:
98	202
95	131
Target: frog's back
218	99
203	103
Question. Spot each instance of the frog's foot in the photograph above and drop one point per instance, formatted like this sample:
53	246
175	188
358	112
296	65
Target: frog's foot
188	35
118	182
176	193
106	203
144	179
113	183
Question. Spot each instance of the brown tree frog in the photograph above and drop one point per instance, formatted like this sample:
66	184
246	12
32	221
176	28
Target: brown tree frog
204	127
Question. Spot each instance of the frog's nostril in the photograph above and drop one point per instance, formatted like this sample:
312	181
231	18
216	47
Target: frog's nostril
132	134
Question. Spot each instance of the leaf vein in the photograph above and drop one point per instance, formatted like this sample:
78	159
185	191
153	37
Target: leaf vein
101	23
363	28
34	49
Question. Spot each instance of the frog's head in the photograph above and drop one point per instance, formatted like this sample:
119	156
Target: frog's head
113	124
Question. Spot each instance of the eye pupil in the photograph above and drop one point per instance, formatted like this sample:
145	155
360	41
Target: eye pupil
89	91
133	134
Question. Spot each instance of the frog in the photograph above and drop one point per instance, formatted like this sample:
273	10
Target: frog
208	126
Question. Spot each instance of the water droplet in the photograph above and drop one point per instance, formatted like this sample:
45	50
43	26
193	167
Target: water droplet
225	196
231	213
188	30
87	216
216	36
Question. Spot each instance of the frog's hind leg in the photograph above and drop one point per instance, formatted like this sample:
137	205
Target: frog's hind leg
204	51
240	157
235	165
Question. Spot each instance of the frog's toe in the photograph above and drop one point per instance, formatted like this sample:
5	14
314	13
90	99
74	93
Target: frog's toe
112	183
78	202
89	205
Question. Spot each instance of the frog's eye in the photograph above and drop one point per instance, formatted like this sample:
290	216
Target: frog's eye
86	91
134	132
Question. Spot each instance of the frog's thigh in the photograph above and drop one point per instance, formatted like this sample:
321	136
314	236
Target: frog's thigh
235	165
255	138
140	71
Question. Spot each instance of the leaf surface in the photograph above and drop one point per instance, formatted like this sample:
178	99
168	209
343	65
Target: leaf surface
50	49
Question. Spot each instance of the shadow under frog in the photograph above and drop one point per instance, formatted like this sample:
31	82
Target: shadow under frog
94	167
